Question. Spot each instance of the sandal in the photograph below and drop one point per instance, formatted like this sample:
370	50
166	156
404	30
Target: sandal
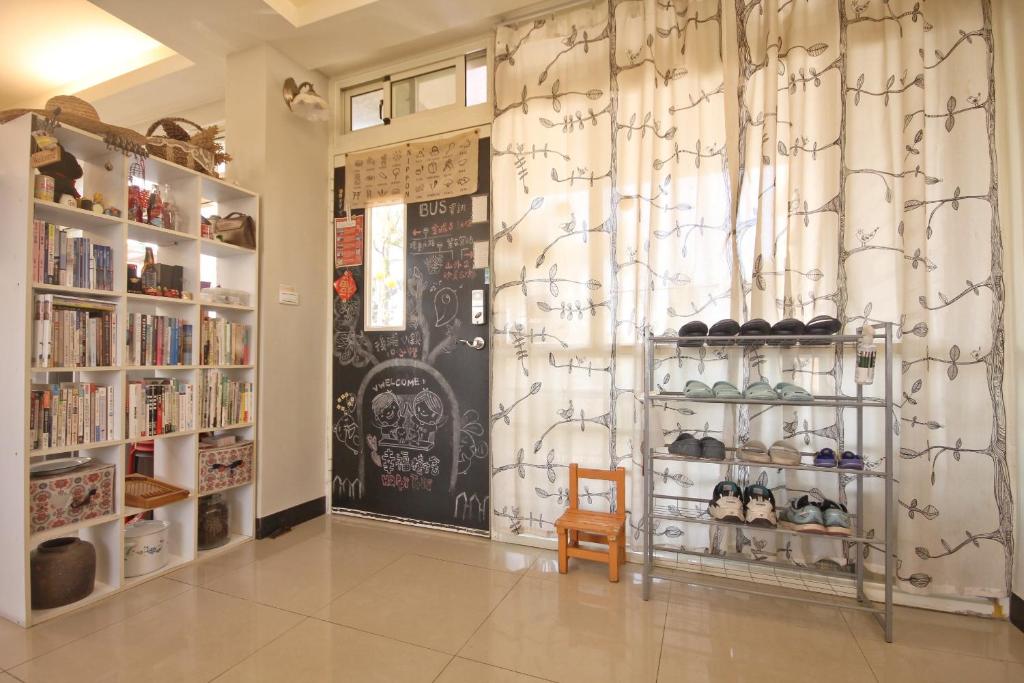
784	454
754	451
826	457
697	389
757	327
685	444
789	326
723	328
824	326
694	328
760	391
792	392
726	390
850	461
712	449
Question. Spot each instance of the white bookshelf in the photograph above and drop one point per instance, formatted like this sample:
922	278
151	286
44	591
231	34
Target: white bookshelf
176	455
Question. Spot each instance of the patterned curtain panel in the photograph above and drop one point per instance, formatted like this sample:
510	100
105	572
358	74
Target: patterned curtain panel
661	162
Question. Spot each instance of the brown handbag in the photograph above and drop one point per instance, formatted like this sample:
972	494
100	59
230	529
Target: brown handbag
236	228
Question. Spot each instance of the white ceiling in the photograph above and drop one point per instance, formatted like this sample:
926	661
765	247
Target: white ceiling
332	36
63	46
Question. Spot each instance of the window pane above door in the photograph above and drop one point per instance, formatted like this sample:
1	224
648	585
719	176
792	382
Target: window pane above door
423	92
366	109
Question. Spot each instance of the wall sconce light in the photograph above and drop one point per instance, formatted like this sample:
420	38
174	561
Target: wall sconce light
303	100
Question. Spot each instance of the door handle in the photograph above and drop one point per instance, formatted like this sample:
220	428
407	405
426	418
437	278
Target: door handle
477	343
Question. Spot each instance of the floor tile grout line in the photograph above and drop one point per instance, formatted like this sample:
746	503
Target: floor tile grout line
99	630
443	669
254	652
860	648
664	627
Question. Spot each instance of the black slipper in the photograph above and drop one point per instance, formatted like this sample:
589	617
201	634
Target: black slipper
694	328
756	327
824	325
723	328
789	326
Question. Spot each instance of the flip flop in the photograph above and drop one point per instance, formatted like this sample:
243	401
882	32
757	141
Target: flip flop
754	451
685	444
723	328
826	457
788	326
850	461
758	327
697	389
694	328
726	390
760	391
792	392
784	454
712	449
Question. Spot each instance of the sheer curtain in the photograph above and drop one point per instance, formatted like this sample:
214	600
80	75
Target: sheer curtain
863	185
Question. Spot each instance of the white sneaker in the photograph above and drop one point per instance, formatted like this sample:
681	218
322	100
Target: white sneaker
760	506
726	502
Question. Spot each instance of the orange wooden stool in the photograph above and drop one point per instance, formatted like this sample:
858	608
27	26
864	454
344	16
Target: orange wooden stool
577	525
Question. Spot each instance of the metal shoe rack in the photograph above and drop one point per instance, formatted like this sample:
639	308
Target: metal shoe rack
660	507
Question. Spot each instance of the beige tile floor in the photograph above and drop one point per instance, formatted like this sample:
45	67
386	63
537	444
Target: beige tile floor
350	600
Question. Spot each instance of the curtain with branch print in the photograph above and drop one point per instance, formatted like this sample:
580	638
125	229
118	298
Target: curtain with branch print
864	188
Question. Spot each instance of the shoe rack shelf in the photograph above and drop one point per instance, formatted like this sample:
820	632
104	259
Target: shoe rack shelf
176	455
660	507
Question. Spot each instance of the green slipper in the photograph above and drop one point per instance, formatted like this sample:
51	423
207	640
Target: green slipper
697	389
791	392
726	390
760	391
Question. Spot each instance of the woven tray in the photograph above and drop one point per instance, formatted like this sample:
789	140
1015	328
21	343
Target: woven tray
143	492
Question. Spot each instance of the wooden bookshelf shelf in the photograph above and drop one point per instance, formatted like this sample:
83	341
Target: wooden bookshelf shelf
175	455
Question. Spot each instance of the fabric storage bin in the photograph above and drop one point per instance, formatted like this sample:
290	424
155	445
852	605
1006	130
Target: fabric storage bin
145	547
57	500
221	467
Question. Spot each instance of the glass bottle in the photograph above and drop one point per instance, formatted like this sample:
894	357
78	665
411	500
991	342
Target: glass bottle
170	212
213	527
149	275
156	208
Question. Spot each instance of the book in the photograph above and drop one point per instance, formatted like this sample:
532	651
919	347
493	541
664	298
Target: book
222	342
65	257
74	332
69	414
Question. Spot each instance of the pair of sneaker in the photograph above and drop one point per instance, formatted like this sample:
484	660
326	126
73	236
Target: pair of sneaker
810	516
849	460
708	448
754	505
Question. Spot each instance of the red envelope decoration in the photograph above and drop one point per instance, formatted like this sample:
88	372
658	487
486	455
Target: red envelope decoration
345	286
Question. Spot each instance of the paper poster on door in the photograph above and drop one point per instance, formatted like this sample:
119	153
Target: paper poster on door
348	242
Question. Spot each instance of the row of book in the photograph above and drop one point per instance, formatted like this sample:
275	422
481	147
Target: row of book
61	257
223	342
71	414
158	406
71	332
223	401
158	340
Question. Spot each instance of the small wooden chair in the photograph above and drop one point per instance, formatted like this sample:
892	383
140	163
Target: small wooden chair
577	525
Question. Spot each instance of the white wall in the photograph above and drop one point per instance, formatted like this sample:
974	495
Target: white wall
284	158
1008	20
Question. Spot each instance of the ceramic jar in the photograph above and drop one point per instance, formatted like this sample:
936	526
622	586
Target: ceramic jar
145	547
63	571
213	526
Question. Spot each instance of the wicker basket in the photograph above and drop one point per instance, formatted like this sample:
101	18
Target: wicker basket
198	151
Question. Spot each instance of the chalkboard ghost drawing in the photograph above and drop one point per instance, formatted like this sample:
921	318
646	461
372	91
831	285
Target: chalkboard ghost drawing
408	407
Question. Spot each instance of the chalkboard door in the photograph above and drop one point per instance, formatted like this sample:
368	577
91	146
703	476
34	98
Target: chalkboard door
410	428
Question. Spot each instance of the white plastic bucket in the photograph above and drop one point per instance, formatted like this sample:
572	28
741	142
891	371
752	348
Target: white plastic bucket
145	547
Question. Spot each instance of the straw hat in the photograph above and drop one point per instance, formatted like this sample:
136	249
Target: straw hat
76	112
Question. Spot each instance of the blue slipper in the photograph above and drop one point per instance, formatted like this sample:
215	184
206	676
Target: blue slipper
697	389
850	461
826	457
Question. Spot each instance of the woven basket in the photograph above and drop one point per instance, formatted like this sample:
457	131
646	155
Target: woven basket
198	151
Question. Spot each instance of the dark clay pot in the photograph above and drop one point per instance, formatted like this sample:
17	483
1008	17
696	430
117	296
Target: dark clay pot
63	571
